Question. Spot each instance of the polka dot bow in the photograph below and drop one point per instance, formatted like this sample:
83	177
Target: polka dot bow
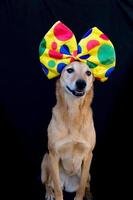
59	48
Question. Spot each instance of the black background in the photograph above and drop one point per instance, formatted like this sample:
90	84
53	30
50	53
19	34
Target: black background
27	97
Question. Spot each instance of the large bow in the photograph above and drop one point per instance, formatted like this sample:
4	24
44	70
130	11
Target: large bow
59	48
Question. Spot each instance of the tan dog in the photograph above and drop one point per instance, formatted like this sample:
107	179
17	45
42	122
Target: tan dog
71	135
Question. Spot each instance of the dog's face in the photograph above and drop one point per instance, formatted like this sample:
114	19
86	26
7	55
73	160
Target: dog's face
76	79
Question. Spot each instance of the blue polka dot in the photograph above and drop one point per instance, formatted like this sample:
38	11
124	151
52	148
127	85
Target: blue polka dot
64	49
60	67
45	70
79	49
109	71
88	33
85	56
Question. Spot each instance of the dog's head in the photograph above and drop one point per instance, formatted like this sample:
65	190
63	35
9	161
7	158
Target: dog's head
77	79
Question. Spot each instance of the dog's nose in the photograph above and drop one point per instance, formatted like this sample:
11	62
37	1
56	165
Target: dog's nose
81	84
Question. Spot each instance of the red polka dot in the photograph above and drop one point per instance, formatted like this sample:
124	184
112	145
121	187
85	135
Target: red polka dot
54	45
62	32
104	37
55	54
75	53
92	43
72	59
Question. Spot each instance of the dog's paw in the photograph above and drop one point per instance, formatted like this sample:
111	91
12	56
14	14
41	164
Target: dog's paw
49	197
76	198
49	194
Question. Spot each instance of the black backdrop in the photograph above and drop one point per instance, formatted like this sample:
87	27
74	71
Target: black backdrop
26	96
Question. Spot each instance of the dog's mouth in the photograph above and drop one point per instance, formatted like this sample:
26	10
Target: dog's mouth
77	92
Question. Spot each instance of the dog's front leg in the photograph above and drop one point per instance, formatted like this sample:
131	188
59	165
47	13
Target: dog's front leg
84	176
55	175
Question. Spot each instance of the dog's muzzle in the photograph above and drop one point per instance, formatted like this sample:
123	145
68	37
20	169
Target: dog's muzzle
80	88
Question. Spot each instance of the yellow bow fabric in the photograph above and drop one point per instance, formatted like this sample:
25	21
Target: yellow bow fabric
59	48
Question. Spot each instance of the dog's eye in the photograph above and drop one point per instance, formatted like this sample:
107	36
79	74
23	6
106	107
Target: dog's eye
88	73
70	70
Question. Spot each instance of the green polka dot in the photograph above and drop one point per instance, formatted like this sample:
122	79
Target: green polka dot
106	54
51	63
91	64
42	47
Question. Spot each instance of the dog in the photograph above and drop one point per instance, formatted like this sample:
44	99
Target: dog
71	135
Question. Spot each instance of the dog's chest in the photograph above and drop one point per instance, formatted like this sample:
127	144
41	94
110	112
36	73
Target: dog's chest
72	152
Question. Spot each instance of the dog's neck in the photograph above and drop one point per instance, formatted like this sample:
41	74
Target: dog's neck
73	108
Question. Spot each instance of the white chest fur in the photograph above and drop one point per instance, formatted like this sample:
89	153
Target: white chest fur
69	183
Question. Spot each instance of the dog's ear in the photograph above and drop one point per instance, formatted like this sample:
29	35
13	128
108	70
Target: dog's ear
94	78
